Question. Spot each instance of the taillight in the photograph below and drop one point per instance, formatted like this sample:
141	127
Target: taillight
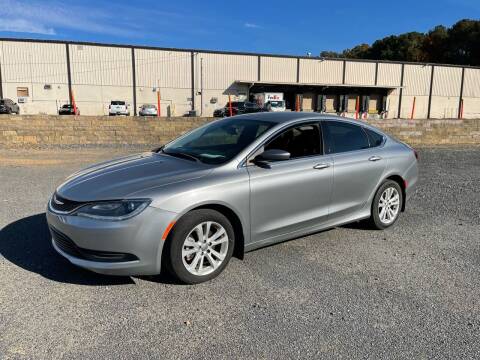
416	154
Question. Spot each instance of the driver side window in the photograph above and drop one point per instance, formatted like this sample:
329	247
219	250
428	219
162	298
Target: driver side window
300	141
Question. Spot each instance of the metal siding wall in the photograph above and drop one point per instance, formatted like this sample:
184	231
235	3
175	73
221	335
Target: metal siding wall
220	71
447	81
359	73
33	63
318	71
471	85
167	69
98	65
389	74
278	69
417	79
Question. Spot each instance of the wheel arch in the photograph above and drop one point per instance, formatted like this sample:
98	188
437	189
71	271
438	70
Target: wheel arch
233	217
401	182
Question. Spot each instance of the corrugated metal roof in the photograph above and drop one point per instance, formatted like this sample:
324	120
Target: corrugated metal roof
248	82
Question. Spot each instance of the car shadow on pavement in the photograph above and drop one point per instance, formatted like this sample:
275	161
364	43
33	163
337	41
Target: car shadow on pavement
27	244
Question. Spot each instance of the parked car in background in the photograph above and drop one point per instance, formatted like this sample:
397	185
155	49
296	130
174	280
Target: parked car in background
148	110
219	112
8	106
118	107
239	183
68	109
238	108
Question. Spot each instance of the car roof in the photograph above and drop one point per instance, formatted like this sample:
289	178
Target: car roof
287	116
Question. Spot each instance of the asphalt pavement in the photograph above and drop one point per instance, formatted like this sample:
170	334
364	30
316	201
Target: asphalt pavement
412	291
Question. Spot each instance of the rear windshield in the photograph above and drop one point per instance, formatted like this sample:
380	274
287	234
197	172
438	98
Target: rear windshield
118	103
67	106
149	106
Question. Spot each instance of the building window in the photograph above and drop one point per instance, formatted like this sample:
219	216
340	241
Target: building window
22	92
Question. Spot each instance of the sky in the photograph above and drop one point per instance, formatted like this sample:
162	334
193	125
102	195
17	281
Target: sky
269	26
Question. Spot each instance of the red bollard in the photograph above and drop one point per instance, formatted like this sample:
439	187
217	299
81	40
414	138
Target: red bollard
159	112
230	110
413	108
357	107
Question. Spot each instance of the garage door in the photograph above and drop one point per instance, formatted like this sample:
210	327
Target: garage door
307	104
352	102
330	104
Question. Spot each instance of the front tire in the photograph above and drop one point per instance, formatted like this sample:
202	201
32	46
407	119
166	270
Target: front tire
200	246
386	205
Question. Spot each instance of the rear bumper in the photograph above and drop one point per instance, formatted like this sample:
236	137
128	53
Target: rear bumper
138	237
411	178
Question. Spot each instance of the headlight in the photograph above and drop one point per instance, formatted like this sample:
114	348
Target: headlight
113	210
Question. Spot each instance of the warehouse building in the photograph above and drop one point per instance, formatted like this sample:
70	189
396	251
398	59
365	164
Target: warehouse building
41	76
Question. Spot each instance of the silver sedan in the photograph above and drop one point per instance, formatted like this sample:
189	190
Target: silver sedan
226	188
148	110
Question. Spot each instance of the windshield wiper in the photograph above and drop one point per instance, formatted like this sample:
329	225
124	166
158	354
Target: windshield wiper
158	149
182	155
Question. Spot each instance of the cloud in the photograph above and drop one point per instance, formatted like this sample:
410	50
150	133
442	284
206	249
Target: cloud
251	25
48	17
24	26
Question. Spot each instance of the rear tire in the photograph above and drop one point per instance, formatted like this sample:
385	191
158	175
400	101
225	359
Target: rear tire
386	205
199	246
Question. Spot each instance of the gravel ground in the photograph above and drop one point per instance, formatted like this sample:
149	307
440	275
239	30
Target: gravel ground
411	291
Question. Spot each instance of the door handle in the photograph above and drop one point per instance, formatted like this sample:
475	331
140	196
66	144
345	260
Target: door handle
321	166
374	158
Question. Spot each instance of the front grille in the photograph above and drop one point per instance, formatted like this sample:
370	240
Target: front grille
67	245
63	205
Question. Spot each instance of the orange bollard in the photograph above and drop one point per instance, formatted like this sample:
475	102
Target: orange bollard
413	108
159	112
230	110
461	109
357	107
74	105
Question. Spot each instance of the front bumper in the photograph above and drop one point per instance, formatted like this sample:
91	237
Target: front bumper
138	238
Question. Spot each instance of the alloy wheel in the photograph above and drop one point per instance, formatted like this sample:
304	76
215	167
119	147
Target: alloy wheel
205	248
389	205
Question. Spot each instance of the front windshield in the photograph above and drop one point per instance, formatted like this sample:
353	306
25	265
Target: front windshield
220	141
276	103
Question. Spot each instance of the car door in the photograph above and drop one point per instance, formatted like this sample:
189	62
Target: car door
290	196
357	167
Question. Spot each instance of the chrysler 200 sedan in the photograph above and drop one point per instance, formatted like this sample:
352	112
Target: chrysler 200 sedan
228	187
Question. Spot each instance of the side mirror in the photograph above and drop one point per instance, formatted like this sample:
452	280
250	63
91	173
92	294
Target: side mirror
264	158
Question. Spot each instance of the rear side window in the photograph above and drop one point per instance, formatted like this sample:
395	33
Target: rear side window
342	137
299	141
375	138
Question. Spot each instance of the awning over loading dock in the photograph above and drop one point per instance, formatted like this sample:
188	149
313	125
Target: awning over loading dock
334	98
297	84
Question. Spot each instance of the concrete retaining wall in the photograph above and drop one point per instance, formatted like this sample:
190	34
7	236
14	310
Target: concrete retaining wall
33	131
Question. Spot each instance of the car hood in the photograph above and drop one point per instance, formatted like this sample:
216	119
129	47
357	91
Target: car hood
120	178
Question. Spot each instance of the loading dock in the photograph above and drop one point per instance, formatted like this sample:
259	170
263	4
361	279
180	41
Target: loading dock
334	99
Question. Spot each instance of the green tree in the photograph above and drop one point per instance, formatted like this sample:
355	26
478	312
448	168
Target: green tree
435	44
459	44
361	51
